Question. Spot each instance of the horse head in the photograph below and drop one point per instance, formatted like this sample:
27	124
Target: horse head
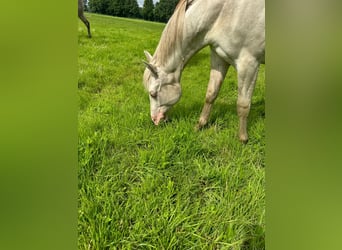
164	89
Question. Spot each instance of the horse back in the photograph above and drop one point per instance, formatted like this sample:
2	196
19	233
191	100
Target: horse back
239	26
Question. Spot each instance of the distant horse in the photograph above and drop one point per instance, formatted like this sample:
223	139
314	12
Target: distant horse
82	17
235	31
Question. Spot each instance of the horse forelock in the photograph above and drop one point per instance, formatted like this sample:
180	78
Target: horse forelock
172	35
146	79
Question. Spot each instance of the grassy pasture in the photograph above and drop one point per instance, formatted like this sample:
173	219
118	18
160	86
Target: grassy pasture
165	187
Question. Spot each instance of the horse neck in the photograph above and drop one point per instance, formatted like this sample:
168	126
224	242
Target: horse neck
192	38
193	42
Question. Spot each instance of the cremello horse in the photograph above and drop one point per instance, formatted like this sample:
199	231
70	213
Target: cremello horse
82	17
235	31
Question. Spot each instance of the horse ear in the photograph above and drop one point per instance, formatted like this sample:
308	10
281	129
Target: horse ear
148	56
152	68
188	3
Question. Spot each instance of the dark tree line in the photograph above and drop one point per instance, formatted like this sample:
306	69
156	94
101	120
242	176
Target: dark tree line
164	10
160	12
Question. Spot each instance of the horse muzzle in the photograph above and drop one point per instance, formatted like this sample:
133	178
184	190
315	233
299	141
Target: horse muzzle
158	118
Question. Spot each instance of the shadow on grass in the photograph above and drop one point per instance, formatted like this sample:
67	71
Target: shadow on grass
255	238
199	58
219	111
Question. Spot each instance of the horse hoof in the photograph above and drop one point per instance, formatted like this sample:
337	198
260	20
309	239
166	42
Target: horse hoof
198	127
243	139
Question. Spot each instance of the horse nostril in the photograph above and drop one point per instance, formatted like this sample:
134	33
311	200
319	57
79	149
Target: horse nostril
153	93
154	120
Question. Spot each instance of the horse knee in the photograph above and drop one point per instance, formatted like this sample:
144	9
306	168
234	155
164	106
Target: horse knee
209	98
211	95
243	107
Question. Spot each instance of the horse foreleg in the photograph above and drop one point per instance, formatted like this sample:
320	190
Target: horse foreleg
218	71
247	68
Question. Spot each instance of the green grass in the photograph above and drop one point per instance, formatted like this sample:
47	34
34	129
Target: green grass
165	187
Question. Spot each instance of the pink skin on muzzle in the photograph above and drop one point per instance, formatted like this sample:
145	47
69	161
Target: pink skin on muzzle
159	117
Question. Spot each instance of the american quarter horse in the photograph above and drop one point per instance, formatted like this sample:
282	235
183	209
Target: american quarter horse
82	17
235	32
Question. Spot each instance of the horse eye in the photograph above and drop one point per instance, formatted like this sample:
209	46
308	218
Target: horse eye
153	94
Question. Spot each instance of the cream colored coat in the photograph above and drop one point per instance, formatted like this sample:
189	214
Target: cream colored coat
235	31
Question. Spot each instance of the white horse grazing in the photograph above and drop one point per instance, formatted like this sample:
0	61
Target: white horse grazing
235	31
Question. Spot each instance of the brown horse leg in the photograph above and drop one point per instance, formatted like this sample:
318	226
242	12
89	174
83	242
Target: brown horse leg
219	69
86	22
88	27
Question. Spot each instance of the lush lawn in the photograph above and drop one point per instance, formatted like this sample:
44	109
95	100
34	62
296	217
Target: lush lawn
165	187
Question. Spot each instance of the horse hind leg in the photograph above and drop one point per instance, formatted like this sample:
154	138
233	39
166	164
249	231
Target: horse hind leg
88	27
86	22
218	71
247	68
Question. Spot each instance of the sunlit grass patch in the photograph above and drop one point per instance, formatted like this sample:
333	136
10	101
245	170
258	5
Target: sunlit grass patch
165	187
